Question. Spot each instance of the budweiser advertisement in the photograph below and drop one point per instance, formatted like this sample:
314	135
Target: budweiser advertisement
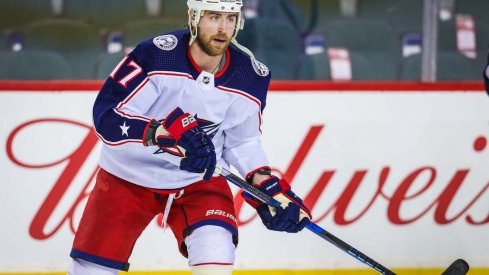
399	174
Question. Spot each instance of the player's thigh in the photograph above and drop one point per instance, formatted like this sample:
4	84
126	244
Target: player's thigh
203	204
115	215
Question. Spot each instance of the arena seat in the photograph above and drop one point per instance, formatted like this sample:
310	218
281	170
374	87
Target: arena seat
452	66
174	10
447	36
405	16
328	12
285	11
374	39
317	67
482	35
106	63
3	41
79	42
15	14
476	8
482	42
34	65
106	14
138	31
248	36
280	47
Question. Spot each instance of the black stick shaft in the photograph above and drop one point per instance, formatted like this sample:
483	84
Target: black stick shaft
260	195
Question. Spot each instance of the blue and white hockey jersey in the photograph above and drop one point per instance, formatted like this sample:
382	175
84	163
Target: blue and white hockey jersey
155	78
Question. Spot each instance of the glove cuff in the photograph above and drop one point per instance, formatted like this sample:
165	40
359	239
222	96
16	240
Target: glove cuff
264	170
273	185
149	134
178	122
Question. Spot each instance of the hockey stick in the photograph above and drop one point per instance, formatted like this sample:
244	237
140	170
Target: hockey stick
316	229
458	267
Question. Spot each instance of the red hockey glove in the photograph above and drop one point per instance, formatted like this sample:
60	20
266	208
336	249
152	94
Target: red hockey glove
182	129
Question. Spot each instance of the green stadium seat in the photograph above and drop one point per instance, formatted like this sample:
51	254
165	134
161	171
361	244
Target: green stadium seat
451	66
3	41
106	14
79	42
175	10
405	16
447	36
374	39
280	10
476	8
138	31
279	46
106	64
482	35
248	36
328	12
317	67
15	14
34	65
375	8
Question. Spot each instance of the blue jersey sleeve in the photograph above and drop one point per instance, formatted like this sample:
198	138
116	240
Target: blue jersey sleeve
118	112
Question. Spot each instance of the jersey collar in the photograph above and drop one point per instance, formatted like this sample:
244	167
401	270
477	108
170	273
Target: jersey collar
199	70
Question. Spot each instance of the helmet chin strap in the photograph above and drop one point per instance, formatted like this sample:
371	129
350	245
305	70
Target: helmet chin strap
193	21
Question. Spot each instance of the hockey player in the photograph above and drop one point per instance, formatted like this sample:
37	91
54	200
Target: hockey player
171	110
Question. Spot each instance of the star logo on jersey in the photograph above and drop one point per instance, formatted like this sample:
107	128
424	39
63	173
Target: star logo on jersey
209	127
125	129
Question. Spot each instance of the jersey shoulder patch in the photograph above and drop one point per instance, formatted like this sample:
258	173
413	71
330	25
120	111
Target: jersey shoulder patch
166	42
260	68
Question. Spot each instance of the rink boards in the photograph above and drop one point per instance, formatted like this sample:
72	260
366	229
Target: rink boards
397	171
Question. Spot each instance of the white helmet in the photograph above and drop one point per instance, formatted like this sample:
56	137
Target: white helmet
197	7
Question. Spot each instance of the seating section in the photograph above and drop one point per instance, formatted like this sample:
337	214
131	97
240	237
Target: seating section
19	13
106	14
3	42
374	39
452	66
106	64
93	35
76	40
317	67
34	65
175	10
138	31
404	16
476	8
279	47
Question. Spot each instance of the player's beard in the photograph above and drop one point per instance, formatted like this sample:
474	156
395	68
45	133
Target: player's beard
208	48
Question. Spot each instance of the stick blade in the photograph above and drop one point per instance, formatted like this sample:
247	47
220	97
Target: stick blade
458	267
